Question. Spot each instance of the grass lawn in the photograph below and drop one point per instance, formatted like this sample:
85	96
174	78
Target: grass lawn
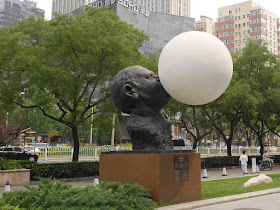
232	186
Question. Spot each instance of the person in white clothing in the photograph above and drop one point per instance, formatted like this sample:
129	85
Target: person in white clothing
243	160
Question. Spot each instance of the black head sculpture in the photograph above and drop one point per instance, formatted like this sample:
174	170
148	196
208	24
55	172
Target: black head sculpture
137	91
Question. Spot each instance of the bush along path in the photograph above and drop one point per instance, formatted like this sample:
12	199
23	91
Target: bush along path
51	194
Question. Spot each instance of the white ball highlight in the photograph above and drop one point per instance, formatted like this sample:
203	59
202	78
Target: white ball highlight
195	68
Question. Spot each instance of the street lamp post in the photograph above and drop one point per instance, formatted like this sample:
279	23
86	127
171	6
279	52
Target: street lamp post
113	133
91	125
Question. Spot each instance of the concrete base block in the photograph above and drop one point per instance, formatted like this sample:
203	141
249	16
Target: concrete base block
15	177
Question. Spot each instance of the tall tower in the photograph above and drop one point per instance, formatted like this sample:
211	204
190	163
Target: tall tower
247	20
65	6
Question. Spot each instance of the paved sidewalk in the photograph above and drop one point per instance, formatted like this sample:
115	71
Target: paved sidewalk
235	171
207	204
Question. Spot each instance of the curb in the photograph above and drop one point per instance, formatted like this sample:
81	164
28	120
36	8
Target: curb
213	201
76	179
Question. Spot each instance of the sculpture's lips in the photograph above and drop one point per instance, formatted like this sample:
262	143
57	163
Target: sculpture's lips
164	96
163	92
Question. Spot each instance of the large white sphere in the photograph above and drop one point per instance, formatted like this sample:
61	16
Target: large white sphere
195	67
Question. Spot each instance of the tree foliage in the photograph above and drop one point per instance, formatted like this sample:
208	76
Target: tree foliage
8	131
260	69
226	111
63	67
103	132
191	118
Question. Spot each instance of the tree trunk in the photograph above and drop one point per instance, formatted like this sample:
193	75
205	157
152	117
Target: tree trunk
260	139
195	140
249	140
228	142
76	143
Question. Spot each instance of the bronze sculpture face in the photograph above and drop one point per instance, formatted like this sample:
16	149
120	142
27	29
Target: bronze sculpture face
137	91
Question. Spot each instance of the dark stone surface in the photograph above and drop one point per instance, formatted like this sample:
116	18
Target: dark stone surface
137	91
151	152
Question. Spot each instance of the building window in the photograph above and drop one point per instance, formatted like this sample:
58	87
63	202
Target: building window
230	12
221	14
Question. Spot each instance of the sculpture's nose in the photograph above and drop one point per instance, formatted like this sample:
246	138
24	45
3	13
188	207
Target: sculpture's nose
157	78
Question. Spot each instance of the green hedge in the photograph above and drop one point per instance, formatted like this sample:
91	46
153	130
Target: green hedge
65	170
221	161
9	164
60	170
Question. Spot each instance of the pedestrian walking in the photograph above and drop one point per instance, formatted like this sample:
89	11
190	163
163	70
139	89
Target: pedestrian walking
243	162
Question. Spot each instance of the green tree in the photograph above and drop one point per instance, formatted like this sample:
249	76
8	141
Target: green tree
225	113
66	63
260	69
8	131
192	118
103	131
33	118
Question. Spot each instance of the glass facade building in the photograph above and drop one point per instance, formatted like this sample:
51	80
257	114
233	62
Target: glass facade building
13	10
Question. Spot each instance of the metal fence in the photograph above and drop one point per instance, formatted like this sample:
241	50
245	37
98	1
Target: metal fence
94	151
67	152
223	151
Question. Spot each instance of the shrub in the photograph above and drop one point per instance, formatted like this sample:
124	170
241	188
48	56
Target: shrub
276	158
9	164
61	170
57	195
220	161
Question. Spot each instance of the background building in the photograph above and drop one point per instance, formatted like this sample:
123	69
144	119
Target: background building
205	24
161	28
238	22
65	6
172	7
13	10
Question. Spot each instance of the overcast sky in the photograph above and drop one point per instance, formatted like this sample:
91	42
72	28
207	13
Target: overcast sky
208	8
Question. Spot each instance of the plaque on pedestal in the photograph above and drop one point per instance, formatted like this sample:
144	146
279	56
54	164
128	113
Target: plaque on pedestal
170	176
